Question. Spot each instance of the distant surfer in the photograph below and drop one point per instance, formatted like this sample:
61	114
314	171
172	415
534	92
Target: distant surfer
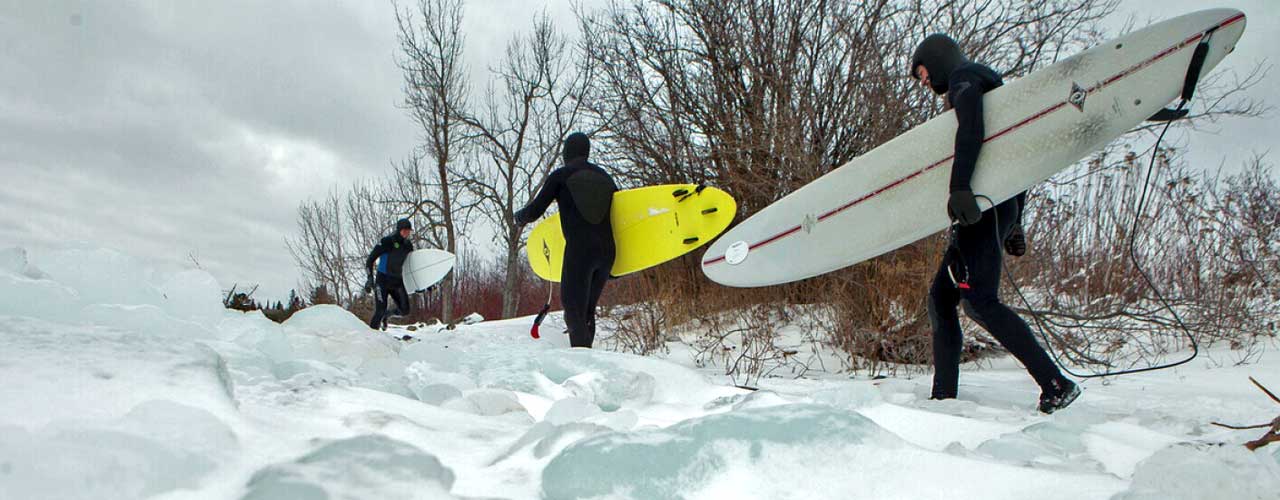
970	269
390	254
584	193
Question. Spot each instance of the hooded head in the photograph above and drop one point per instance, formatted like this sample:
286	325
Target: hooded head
403	225
940	55
577	145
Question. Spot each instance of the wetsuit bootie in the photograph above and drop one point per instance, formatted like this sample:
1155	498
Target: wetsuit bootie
1057	397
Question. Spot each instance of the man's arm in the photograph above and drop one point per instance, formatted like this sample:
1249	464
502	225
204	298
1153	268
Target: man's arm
541	201
378	250
966	98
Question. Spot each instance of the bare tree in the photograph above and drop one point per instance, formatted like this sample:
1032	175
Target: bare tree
536	101
435	89
760	97
321	249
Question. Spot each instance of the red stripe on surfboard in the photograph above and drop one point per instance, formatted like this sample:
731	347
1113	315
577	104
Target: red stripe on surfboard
1007	130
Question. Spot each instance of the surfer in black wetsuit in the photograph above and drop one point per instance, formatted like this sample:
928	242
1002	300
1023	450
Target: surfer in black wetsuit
584	193
393	250
970	270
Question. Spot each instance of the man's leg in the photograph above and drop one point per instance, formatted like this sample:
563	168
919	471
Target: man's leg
575	290
379	303
948	341
981	250
401	296
599	279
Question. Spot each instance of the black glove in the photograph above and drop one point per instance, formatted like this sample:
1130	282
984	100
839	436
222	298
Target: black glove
1016	243
963	208
368	283
522	217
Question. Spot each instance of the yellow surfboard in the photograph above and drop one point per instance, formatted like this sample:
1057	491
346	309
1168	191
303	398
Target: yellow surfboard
651	225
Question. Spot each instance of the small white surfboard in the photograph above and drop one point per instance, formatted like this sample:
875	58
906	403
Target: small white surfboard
425	267
1036	126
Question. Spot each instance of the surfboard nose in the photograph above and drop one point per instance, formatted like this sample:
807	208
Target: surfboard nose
1223	36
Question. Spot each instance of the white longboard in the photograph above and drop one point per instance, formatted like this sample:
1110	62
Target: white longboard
425	267
1036	126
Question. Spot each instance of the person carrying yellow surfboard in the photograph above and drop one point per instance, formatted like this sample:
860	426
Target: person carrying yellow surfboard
584	193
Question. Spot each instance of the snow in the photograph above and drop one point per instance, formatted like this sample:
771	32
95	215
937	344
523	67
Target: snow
122	381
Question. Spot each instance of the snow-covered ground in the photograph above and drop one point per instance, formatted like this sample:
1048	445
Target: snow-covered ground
118	381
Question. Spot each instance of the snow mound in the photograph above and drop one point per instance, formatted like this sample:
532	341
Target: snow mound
666	463
369	466
157	447
14	260
102	276
38	298
1208	472
326	317
192	294
331	334
69	280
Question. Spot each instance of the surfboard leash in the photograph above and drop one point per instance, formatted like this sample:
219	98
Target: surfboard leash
1190	80
533	332
1042	324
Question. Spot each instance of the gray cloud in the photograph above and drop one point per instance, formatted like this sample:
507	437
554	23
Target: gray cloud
163	128
166	128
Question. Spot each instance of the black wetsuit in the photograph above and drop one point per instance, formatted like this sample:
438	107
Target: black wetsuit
970	269
394	250
584	193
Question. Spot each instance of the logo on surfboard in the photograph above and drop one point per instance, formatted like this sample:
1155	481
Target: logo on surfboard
1077	96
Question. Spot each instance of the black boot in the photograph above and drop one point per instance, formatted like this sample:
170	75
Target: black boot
1061	393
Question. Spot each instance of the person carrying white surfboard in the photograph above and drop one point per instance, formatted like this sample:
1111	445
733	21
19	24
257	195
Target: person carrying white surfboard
584	193
971	266
390	254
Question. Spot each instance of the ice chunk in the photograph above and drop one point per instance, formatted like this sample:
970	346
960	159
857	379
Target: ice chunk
14	260
433	386
1047	444
253	330
101	276
330	333
157	447
850	396
621	420
571	410
326	317
435	394
1201	471
144	318
611	390
369	466
37	298
664	463
494	402
1121	446
192	294
544	439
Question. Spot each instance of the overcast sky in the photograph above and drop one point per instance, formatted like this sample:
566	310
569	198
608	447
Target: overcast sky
171	128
